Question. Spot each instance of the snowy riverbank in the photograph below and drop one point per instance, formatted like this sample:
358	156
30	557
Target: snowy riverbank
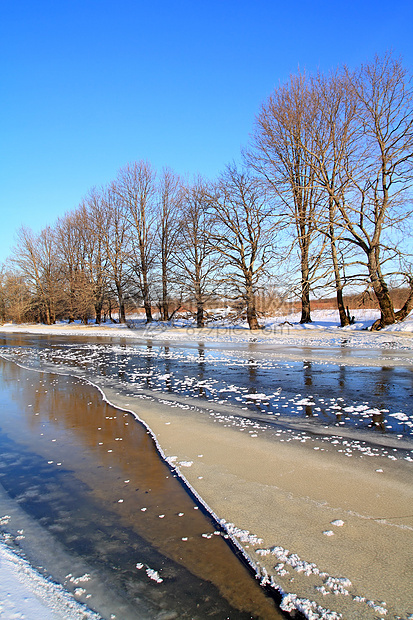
324	329
25	594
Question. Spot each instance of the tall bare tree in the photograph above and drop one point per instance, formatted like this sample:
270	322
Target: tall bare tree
70	238
277	154
170	197
332	146
136	187
380	197
110	219
243	233
35	255
93	255
195	256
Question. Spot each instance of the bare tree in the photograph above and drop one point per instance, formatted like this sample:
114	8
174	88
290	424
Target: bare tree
243	234
109	215
70	237
16	299
67	244
35	255
195	257
170	197
135	186
377	172
277	154
93	256
332	146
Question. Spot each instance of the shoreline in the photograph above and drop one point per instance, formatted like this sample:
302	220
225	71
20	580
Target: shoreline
335	533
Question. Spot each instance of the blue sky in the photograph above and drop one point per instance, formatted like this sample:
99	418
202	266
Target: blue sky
89	85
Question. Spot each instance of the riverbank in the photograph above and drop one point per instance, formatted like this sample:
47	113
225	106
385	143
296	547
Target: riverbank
326	519
323	331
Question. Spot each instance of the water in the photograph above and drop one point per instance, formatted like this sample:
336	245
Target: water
377	398
89	475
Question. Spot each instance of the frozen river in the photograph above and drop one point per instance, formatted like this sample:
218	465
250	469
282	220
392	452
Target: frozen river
85	496
87	479
333	386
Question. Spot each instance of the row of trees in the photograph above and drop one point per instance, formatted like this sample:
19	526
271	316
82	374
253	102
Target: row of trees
156	242
324	191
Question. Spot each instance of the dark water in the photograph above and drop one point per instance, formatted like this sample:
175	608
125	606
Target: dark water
90	475
375	398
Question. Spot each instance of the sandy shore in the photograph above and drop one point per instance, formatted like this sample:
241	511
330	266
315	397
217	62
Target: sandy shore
341	527
328	523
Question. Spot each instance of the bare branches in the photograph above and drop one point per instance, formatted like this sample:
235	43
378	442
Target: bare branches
195	257
281	153
136	188
243	233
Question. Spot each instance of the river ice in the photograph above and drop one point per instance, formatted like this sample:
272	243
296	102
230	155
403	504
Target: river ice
364	425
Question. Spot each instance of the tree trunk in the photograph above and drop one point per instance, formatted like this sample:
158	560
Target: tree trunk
305	285
148	311
98	313
200	314
122	315
98	299
110	312
407	307
251	309
344	319
164	310
146	293
72	296
200	322
52	313
382	294
252	317
48	316
305	298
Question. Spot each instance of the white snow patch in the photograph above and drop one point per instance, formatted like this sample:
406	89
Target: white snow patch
26	595
154	575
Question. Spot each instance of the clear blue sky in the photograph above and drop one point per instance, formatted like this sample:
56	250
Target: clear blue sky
89	85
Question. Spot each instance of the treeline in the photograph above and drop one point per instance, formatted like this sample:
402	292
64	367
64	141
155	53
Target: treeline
321	201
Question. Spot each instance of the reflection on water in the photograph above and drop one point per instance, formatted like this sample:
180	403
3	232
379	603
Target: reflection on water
90	475
377	398
308	382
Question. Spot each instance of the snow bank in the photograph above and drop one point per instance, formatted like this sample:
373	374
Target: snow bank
136	327
24	593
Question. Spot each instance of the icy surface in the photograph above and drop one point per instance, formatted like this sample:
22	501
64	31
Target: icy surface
324	343
27	595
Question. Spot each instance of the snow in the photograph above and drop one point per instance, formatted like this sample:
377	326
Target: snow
26	595
152	574
325	320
